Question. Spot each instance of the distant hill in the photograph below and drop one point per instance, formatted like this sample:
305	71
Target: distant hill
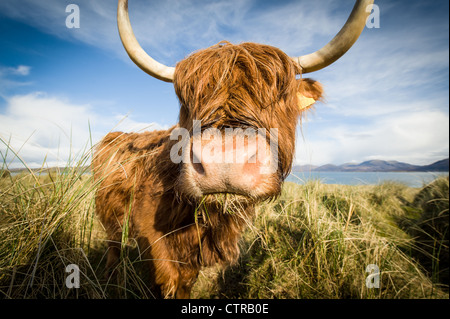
439	166
376	166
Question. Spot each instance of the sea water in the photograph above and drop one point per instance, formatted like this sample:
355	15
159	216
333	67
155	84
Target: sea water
411	179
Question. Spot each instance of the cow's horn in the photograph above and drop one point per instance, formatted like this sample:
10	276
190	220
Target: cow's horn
309	63
135	51
340	43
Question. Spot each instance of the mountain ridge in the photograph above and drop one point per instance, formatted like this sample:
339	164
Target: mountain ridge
376	166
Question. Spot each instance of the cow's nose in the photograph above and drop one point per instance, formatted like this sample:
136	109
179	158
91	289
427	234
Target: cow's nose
232	164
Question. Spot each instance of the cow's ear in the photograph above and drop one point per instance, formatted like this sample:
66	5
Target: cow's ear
309	92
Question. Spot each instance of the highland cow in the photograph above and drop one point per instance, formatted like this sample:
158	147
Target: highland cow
191	213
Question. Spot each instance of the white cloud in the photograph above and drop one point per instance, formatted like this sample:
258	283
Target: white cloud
41	127
19	70
22	70
7	75
419	138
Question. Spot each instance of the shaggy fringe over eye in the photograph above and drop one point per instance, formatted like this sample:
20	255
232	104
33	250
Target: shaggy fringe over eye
234	78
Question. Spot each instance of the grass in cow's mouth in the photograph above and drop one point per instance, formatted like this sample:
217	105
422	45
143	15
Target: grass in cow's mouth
224	203
228	201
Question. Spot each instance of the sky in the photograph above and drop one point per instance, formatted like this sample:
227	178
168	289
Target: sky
62	89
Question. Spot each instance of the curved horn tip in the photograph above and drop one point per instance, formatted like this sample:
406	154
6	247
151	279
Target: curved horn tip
341	43
135	51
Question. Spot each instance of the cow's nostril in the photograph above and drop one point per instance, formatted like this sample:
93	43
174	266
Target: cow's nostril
198	168
196	163
252	159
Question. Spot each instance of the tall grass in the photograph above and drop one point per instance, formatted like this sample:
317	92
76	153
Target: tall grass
315	241
46	223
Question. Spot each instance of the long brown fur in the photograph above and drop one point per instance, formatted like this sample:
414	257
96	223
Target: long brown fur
246	85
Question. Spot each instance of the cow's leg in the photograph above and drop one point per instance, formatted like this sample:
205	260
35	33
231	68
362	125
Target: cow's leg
113	252
163	273
111	221
183	292
187	278
173	282
113	256
166	278
177	288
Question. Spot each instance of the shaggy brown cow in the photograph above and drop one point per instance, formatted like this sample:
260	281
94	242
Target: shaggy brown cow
190	213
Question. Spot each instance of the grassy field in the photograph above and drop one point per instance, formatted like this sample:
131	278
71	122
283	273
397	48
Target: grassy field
315	241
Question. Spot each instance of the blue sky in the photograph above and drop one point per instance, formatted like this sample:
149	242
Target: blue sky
387	98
